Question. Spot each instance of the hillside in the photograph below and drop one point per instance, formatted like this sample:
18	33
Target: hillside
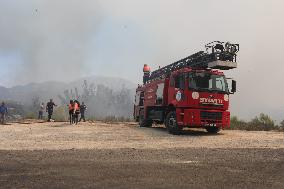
107	96
51	89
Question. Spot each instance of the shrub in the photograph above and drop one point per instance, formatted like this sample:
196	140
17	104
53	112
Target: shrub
281	126
30	115
61	114
282	123
260	123
112	119
237	124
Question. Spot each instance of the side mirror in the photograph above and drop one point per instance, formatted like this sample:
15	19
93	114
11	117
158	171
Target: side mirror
234	86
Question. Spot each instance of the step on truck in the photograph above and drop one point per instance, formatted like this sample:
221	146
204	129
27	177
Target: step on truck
192	92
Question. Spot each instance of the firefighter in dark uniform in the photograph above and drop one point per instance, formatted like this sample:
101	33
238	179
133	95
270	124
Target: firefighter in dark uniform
83	108
49	108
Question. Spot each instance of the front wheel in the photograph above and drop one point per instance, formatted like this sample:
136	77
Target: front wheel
144	122
213	129
171	123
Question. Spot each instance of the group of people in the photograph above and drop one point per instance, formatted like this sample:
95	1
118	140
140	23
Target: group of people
75	108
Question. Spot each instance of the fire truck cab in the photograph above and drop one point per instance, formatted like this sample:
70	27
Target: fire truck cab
192	92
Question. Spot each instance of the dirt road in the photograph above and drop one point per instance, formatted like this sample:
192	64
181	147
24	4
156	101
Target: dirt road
99	155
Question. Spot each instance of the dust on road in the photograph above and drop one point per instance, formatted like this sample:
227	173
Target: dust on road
100	155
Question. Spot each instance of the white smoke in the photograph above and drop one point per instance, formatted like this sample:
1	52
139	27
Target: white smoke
50	37
54	40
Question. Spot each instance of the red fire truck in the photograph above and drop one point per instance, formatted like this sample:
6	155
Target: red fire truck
192	92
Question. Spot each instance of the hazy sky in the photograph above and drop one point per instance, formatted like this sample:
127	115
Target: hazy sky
65	39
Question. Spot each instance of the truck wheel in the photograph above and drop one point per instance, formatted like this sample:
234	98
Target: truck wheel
137	119
171	123
212	129
144	122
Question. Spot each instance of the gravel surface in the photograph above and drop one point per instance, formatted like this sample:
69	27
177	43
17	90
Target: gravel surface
141	168
99	155
99	135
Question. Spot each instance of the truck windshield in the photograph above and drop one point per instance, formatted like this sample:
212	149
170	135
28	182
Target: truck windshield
208	82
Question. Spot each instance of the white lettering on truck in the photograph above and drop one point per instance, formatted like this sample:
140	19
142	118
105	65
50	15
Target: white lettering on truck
211	101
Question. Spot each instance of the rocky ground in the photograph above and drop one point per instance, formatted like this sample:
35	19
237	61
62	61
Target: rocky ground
122	155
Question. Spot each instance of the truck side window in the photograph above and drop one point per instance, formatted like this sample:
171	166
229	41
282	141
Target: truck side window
182	80
179	81
159	93
141	100
172	81
137	98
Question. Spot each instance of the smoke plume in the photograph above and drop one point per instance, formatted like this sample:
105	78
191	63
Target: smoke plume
50	38
63	39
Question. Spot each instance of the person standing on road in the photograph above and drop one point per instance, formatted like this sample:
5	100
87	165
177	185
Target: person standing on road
49	109
71	111
40	112
76	110
3	113
83	108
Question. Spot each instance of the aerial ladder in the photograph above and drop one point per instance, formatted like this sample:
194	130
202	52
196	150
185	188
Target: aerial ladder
218	55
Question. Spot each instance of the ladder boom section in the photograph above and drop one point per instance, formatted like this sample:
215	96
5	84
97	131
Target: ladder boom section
218	55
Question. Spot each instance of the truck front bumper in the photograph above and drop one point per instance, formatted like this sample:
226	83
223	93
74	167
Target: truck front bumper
203	118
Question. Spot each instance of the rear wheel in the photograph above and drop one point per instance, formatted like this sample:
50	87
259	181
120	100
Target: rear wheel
213	129
144	122
171	123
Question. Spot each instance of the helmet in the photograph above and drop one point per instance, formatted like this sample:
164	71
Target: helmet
146	68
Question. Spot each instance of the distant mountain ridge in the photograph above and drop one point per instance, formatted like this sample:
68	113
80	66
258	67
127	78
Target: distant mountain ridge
51	89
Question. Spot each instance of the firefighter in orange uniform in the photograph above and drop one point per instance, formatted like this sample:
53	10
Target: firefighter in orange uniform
146	70
71	108
76	111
